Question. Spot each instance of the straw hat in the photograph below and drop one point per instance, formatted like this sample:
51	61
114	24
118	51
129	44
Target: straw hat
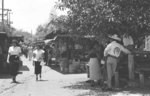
115	37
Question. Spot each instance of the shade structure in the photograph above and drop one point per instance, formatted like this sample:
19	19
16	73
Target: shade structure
50	40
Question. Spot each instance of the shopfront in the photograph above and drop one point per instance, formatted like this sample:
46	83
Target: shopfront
3	51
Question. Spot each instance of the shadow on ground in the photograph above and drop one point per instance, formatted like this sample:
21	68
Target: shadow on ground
5	76
42	80
57	68
97	91
24	68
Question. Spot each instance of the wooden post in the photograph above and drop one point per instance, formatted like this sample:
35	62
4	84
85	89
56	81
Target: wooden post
3	25
131	66
141	76
116	79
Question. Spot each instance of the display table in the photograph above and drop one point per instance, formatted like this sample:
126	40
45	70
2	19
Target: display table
138	63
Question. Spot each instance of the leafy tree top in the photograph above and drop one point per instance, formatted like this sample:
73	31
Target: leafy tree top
108	16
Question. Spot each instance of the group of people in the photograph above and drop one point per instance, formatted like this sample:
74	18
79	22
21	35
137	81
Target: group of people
98	53
14	60
104	61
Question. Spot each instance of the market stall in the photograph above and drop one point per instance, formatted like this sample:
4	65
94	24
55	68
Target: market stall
3	51
135	67
141	66
76	48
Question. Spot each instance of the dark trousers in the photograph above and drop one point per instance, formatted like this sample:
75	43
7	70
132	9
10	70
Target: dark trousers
38	67
14	65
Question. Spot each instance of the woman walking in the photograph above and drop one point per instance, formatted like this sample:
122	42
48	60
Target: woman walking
14	53
38	55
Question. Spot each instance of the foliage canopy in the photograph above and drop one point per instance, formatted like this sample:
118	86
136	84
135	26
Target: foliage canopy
108	16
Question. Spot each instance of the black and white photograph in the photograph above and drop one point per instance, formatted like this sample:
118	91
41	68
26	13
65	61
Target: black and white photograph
74	47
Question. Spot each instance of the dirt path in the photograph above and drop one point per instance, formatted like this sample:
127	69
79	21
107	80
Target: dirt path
54	83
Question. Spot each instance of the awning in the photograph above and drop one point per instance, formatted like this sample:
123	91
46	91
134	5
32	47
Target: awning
50	40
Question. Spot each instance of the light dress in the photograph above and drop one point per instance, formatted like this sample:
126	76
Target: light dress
94	69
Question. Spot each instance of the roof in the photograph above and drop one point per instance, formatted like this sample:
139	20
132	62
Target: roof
2	32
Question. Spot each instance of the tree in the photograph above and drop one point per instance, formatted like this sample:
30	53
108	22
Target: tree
108	16
46	28
133	16
56	25
86	16
60	23
28	37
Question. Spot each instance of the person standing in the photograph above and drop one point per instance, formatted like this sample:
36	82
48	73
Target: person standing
30	52
112	53
38	56
50	56
64	62
128	41
14	54
94	65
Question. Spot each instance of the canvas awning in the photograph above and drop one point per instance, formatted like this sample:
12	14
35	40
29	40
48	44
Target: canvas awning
50	40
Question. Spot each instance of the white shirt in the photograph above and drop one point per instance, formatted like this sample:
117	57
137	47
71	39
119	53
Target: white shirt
78	46
114	49
38	55
14	50
127	40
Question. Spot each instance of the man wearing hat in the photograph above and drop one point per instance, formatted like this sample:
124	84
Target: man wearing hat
112	52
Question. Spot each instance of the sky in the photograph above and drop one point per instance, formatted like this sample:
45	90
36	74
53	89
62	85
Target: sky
28	14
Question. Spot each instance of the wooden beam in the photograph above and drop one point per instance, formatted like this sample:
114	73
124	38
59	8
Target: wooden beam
141	76
131	66
116	79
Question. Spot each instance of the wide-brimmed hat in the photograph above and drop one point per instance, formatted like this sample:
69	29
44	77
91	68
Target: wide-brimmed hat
115	37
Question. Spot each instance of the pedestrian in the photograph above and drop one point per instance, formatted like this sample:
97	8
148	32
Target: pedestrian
48	55
64	62
49	60
94	65
25	50
38	56
30	52
14	54
112	52
128	41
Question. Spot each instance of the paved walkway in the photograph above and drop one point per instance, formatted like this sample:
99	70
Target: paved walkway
54	83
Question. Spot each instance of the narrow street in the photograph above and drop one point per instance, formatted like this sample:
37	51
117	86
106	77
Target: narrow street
53	83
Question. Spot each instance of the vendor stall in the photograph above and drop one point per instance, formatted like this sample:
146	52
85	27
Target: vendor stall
76	48
141	66
135	67
3	51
